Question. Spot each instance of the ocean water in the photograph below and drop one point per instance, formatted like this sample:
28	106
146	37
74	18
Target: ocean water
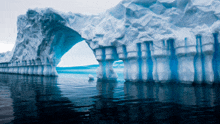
72	98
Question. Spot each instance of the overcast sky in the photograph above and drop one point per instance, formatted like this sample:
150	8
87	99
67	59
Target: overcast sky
10	9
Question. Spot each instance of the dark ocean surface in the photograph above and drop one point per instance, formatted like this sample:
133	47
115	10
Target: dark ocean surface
72	98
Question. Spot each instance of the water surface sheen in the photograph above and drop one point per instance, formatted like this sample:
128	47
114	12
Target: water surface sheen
71	98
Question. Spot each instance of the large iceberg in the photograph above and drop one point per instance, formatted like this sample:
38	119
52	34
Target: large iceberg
160	40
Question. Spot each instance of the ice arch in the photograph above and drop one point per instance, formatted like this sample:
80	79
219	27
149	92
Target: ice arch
181	38
79	55
44	36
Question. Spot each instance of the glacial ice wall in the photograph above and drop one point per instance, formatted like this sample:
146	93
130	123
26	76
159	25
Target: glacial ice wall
160	40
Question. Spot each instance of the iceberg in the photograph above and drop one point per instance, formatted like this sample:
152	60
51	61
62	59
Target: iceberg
158	40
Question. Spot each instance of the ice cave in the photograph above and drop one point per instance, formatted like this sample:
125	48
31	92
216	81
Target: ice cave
158	40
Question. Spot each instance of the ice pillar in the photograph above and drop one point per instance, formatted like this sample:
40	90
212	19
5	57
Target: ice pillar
3	67
40	67
198	61
21	66
15	67
100	56
134	62
185	52
28	67
161	61
207	51
217	57
25	67
147	65
35	66
49	69
12	63
53	70
6	68
106	56
110	57
31	67
10	68
122	54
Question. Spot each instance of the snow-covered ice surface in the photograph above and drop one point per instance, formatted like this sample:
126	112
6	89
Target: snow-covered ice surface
142	33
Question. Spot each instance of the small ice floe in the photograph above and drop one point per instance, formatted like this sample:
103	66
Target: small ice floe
91	77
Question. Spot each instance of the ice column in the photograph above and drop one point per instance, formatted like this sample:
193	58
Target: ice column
21	67
217	57
28	67
3	67
25	67
3	70
47	67
40	67
161	61
147	65
198	61
110	57
53	70
18	68
10	68
122	54
12	64
31	67
35	64
13	67
6	68
15	70
106	56
207	51
185	52
134	62
100	56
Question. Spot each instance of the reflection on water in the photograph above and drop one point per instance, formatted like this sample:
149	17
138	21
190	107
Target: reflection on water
69	98
6	109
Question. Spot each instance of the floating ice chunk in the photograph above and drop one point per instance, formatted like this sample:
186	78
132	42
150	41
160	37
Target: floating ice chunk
91	77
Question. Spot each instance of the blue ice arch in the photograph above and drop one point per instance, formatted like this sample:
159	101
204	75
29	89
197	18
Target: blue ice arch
158	40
